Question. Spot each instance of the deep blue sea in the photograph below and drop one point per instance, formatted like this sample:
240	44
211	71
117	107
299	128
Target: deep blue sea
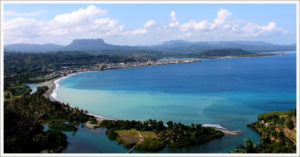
227	92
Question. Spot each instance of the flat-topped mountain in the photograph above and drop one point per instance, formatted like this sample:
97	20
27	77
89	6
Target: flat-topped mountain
173	46
88	45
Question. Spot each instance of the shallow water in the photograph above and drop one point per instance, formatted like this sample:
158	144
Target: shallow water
227	92
33	87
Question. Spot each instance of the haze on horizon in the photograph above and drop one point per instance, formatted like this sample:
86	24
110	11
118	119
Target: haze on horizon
149	24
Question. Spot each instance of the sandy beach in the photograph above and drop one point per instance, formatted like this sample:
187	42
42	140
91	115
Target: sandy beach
51	86
88	124
224	130
51	94
228	132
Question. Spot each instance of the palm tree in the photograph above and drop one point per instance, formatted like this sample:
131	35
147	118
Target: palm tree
249	147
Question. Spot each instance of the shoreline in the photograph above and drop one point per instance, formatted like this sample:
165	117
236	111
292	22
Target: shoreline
53	86
263	55
53	83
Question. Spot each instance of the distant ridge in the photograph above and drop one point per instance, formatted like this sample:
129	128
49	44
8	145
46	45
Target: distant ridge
172	46
179	46
27	48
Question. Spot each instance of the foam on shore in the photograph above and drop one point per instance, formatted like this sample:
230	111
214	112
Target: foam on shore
53	95
221	128
216	126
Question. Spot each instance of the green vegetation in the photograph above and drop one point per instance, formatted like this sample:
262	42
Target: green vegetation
111	134
225	52
217	53
129	138
23	118
144	140
151	144
249	147
31	111
148	134
152	135
17	92
63	126
23	134
26	68
290	124
93	120
278	134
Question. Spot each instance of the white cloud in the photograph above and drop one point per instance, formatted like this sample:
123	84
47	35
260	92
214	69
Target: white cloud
173	15
143	30
270	27
139	31
149	23
78	17
21	29
81	23
174	21
201	25
223	16
223	27
253	30
93	22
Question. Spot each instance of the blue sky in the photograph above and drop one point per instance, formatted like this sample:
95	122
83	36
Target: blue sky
144	24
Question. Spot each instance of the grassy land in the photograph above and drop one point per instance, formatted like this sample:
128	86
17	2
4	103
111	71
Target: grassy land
148	134
130	136
143	140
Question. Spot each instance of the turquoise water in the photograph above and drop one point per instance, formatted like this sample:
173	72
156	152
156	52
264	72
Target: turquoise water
33	87
227	92
86	140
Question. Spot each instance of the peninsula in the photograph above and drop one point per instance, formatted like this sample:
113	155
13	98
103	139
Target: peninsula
278	133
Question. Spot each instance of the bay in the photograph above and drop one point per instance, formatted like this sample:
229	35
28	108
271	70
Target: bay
227	92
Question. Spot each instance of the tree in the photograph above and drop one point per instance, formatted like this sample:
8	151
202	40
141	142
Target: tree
170	124
249	147
290	124
160	126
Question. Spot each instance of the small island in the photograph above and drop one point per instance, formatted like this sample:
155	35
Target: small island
153	135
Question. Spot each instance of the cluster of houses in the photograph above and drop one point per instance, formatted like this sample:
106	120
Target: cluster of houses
106	66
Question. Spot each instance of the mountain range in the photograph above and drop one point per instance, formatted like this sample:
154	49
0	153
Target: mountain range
173	46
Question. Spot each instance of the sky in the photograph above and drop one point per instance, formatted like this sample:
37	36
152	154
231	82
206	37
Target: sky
148	24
